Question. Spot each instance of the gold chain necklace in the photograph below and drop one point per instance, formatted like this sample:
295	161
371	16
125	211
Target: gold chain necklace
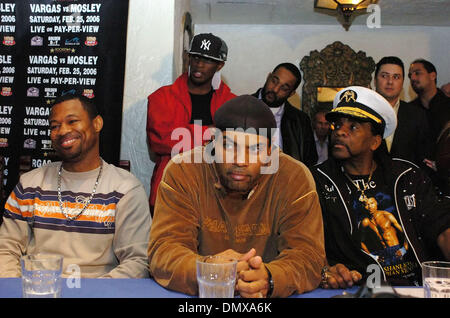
362	197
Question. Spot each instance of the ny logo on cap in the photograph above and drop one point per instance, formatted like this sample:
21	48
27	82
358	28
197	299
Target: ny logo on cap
348	95
205	45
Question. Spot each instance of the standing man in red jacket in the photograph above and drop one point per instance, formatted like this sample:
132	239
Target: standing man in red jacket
186	108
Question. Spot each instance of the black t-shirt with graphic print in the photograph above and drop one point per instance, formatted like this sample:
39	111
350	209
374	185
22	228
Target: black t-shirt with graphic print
379	229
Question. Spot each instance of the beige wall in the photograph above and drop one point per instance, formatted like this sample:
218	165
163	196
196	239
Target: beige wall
149	65
255	49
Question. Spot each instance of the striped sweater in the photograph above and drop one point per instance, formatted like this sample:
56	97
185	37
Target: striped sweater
108	240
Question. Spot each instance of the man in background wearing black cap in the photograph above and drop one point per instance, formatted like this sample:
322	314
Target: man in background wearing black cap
225	204
190	102
376	210
295	136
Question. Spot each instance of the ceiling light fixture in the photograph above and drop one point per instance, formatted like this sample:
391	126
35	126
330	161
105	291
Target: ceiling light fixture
344	8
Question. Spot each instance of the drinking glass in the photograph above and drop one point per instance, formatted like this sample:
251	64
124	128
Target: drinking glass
436	279
41	275
216	277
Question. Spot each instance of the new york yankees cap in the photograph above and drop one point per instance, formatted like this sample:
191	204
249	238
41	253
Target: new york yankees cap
210	46
364	104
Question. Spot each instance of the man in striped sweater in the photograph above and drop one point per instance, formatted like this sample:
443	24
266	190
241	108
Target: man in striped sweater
92	213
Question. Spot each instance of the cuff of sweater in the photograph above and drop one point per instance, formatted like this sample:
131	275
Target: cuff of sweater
279	282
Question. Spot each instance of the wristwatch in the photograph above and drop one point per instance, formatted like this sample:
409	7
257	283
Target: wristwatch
325	274
270	290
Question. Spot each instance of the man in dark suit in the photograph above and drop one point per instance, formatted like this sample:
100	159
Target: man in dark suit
296	138
423	77
411	139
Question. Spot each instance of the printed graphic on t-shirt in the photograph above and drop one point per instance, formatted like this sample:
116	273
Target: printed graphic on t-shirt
380	233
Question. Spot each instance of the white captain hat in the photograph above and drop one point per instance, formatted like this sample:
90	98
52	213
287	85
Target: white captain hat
364	104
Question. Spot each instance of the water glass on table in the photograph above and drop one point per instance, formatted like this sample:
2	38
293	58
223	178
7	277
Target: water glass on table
436	279
41	275
216	277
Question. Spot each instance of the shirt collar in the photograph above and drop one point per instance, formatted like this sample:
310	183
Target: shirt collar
397	105
315	136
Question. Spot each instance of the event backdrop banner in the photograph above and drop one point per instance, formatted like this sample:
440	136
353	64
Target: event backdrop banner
50	48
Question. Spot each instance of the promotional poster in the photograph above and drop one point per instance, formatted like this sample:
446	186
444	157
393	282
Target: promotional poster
48	49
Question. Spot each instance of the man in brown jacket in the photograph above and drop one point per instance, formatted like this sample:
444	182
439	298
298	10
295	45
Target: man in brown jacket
241	197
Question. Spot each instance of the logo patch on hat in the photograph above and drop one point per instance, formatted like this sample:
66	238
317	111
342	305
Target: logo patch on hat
410	201
365	103
209	46
349	96
205	45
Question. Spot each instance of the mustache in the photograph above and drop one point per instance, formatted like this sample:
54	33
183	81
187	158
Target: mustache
341	143
237	171
270	93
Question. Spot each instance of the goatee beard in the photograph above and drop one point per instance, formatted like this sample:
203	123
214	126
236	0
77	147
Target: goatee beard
276	103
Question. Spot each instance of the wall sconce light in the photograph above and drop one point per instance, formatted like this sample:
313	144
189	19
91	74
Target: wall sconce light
344	8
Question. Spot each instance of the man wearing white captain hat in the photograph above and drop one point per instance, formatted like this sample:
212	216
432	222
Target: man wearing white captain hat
376	210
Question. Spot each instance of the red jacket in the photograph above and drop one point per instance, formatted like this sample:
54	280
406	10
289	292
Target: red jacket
168	108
